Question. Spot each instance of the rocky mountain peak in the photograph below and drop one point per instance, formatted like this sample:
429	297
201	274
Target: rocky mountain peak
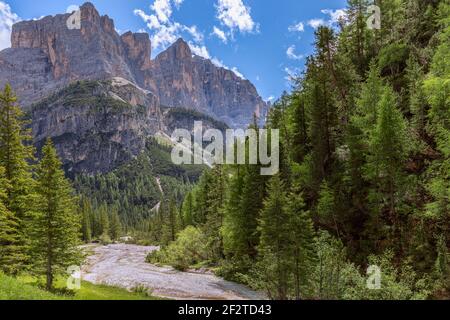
181	49
47	55
138	49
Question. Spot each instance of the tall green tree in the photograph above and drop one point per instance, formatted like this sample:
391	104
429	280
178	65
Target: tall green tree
16	153
55	231
86	214
386	161
8	230
275	243
302	243
115	228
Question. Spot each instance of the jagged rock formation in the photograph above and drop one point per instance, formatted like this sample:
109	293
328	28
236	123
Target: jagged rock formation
47	56
97	125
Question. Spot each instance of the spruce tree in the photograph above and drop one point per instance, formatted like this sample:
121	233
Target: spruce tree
115	228
104	222
16	153
388	152
275	242
187	210
302	243
86	213
8	230
233	230
55	230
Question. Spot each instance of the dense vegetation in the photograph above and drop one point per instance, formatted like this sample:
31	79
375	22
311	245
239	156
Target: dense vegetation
364	180
39	223
132	192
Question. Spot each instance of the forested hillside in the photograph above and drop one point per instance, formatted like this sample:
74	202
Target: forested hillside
364	177
125	201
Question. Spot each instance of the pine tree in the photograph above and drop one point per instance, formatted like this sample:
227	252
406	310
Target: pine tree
302	246
388	152
275	242
104	221
15	154
365	117
86	213
55	231
187	210
172	219
214	221
326	207
233	230
115	228
8	229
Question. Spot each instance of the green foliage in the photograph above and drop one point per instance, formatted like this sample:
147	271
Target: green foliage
15	157
188	249
26	288
56	224
12	289
365	150
132	189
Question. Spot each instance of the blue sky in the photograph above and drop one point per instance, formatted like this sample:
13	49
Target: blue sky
264	40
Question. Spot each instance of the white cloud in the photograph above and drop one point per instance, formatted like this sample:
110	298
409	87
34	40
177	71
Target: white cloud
200	51
163	10
220	64
236	72
299	27
72	8
220	34
151	20
236	16
165	31
335	15
315	23
178	3
7	19
292	55
270	99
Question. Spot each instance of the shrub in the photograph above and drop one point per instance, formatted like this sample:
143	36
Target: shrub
187	250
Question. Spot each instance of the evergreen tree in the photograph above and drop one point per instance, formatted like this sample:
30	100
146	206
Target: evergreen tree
104	221
86	212
388	152
275	243
302	243
187	210
8	230
233	230
55	230
115	228
15	154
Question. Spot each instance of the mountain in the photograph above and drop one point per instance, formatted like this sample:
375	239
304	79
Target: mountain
47	56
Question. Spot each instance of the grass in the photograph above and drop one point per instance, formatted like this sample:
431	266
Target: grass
28	288
13	289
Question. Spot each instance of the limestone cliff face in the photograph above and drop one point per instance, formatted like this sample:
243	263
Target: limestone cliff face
182	79
46	56
97	125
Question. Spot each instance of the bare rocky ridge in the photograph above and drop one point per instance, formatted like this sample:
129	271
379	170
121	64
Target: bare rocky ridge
97	125
46	56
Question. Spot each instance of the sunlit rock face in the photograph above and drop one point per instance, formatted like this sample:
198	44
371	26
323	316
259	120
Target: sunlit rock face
47	56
